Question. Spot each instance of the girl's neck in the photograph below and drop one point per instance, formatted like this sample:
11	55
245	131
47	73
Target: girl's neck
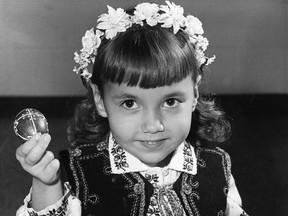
162	163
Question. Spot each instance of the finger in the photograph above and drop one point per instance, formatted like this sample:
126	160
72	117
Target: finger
53	166
51	171
45	160
25	148
38	151
47	168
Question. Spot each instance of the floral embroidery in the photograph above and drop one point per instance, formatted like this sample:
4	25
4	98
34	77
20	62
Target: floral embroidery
138	188
102	146
169	202
61	211
137	193
153	207
76	152
165	201
187	188
152	178
188	159
118	153
94	199
188	193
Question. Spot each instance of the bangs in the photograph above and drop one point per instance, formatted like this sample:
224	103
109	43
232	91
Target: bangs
145	57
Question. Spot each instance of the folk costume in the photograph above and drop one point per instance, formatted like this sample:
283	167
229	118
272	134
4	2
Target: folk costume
110	181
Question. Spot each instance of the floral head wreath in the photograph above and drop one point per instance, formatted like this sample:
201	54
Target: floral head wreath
118	20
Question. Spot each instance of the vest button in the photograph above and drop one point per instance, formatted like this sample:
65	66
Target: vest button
165	172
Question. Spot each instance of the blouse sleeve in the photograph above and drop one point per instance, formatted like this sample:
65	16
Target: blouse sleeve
68	205
234	201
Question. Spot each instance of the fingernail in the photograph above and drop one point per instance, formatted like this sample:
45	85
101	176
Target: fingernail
38	136
46	137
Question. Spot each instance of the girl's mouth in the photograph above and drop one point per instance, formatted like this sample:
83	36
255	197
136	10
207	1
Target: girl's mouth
152	144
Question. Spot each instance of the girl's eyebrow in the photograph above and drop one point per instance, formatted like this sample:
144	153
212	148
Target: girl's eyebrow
176	94
124	96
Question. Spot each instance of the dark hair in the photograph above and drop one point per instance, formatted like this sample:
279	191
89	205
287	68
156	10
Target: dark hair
147	57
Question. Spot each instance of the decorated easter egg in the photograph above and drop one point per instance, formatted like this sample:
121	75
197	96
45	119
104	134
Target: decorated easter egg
29	122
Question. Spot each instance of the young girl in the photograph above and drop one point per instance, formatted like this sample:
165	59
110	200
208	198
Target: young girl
144	140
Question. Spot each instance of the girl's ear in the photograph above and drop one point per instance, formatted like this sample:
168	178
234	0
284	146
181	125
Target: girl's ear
196	92
98	100
196	89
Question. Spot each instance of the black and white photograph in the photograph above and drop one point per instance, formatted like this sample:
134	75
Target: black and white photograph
143	108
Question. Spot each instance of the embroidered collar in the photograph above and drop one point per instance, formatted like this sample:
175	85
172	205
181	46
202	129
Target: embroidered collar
121	161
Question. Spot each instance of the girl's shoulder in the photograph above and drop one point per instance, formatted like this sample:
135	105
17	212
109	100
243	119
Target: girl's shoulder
212	157
212	150
84	152
209	148
87	150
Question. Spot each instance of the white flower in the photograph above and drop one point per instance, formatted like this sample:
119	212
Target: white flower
76	70
194	25
93	59
136	20
99	34
113	22
173	16
210	60
90	41
83	60
86	74
200	56
97	41
201	42
202	59
76	58
147	11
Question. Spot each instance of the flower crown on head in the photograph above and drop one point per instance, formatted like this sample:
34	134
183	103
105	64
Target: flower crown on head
118	20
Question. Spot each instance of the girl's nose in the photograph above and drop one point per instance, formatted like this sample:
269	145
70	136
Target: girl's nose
152	123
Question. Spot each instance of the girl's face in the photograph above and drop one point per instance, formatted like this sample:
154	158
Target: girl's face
148	123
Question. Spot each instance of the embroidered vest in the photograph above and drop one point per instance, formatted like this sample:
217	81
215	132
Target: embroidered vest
102	193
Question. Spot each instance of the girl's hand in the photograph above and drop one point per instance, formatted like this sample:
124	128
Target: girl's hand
40	163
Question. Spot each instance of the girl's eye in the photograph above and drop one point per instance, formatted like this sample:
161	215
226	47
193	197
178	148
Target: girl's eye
171	103
130	104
